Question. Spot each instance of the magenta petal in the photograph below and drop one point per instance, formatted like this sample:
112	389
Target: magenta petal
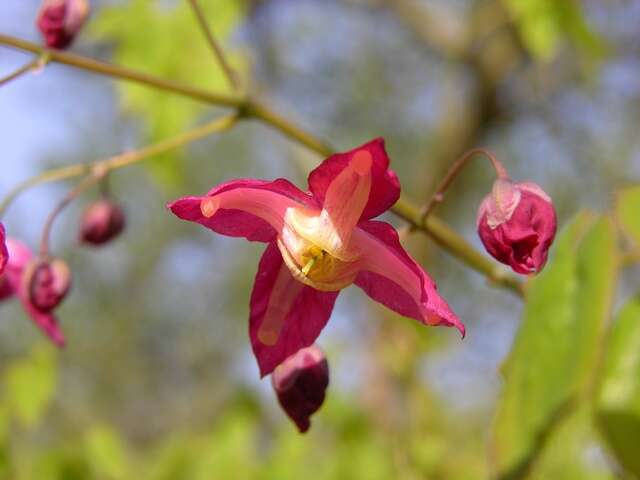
303	315
235	222
385	187
4	254
390	276
19	257
46	322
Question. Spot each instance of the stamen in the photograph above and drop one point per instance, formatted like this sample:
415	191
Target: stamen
309	266
209	206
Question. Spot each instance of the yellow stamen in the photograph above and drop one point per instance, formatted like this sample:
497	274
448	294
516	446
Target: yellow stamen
209	206
309	266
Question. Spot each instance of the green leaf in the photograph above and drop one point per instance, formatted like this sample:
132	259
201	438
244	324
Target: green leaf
618	406
557	344
543	24
106	453
30	384
167	42
628	212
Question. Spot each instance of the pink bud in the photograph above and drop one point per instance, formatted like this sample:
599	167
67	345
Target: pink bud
517	224
101	222
47	282
60	20
300	383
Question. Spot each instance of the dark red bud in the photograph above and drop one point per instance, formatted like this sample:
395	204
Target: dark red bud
300	383
60	20
517	224
101	222
47	282
4	254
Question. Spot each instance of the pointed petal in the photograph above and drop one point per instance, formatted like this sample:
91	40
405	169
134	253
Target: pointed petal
286	315
19	256
47	322
253	209
390	276
385	187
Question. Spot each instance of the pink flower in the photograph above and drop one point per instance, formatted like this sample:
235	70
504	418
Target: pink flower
4	255
60	20
47	283
319	242
300	383
12	283
517	224
101	222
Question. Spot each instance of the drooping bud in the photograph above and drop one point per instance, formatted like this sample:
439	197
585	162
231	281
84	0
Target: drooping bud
517	224
59	21
101	222
46	282
300	383
4	254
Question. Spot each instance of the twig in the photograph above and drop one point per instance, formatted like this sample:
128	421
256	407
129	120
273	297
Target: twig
35	64
230	74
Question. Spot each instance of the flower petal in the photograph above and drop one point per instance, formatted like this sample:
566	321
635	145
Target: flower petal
390	276
253	209
47	322
385	187
4	255
19	256
286	315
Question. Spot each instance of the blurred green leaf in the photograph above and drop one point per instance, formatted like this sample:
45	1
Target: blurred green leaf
30	384
166	41
628	212
556	346
543	24
106	453
618	407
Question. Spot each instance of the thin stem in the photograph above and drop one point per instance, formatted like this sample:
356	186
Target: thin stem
123	73
231	76
437	229
86	183
122	160
453	172
35	64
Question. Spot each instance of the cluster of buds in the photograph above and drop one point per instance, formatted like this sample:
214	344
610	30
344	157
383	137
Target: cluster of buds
59	21
42	282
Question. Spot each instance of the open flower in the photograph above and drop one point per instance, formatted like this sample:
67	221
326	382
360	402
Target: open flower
300	383
13	283
319	242
59	21
517	224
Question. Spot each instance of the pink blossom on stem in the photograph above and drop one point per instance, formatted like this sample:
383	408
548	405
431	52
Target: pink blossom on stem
12	283
319	242
101	222
59	21
4	254
517	224
300	383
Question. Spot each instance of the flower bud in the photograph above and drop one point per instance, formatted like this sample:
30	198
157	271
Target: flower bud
300	383
101	222
60	20
517	224
46	282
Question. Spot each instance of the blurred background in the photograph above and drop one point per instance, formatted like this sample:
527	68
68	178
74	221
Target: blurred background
158	380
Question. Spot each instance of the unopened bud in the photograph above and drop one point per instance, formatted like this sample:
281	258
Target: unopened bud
300	383
47	282
517	224
59	21
101	222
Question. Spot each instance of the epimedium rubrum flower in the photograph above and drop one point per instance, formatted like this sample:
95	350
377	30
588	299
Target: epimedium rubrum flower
300	383
12	283
319	242
59	21
47	282
101	222
517	224
4	254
